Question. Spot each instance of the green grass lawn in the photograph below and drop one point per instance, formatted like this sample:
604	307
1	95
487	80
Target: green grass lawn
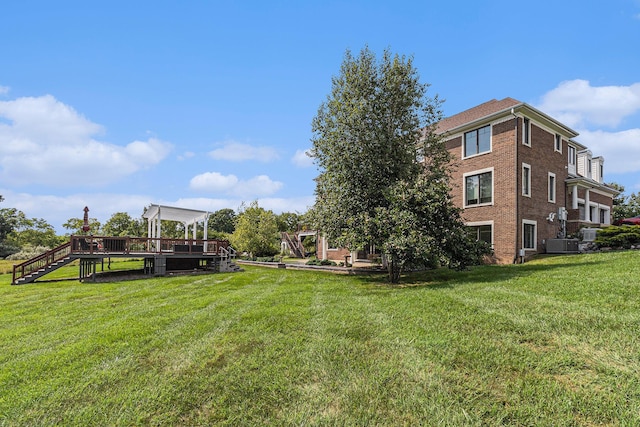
552	342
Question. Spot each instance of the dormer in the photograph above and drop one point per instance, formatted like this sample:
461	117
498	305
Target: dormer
597	166
585	163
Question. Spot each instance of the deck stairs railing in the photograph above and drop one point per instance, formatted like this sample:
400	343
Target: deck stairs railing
30	270
295	246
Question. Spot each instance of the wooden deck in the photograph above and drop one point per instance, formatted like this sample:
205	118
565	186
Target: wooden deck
160	254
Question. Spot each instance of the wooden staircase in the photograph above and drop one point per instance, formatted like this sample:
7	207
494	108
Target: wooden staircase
42	264
296	248
226	265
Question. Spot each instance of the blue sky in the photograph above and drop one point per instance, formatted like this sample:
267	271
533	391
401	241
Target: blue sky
117	105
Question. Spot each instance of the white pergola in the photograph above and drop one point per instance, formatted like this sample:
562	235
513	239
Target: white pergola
189	217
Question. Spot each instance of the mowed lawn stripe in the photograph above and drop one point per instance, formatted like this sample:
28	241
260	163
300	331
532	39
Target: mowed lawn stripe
551	342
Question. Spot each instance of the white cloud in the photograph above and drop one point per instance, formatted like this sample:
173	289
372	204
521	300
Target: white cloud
301	159
587	108
186	155
56	210
48	143
4	90
214	182
621	150
260	185
237	152
578	104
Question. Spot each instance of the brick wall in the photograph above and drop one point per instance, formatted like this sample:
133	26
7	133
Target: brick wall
502	211
543	159
510	207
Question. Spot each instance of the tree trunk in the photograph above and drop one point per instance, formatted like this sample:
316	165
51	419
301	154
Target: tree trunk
394	269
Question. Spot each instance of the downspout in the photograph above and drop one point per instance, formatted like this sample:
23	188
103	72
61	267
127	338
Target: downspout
515	156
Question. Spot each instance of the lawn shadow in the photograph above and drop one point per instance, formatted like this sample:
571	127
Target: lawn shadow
444	278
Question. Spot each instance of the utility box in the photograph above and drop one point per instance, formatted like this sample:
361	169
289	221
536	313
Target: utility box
562	246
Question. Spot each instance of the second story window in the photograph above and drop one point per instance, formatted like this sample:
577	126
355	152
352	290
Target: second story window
478	189
558	143
477	141
572	159
572	155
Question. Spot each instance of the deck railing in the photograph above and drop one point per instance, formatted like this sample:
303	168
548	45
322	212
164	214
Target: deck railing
103	246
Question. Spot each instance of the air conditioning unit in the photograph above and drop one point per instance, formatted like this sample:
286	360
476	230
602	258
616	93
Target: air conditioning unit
562	246
589	234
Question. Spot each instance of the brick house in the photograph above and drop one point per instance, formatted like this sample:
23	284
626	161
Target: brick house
520	178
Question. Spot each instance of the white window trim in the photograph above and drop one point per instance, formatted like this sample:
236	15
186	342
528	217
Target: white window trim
526	166
555	148
464	187
555	187
535	234
524	141
479	223
484	152
607	215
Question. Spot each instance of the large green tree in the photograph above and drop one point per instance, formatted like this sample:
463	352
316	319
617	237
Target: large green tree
384	174
222	221
256	231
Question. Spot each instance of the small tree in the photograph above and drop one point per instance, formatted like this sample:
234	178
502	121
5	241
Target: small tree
121	224
74	226
256	231
288	221
384	176
625	206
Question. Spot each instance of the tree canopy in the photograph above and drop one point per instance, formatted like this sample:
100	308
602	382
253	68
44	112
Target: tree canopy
256	231
625	206
222	221
384	176
121	224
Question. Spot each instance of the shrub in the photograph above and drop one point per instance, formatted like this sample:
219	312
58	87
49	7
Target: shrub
623	236
320	262
28	252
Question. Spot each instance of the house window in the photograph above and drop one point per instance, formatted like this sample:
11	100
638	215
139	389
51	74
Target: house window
526	131
589	168
592	213
552	187
558	145
483	233
601	177
529	234
477	141
526	180
572	155
478	188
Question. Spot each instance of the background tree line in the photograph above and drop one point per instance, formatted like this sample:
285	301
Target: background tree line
252	229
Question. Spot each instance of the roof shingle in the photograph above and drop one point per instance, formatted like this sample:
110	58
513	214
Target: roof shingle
475	113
